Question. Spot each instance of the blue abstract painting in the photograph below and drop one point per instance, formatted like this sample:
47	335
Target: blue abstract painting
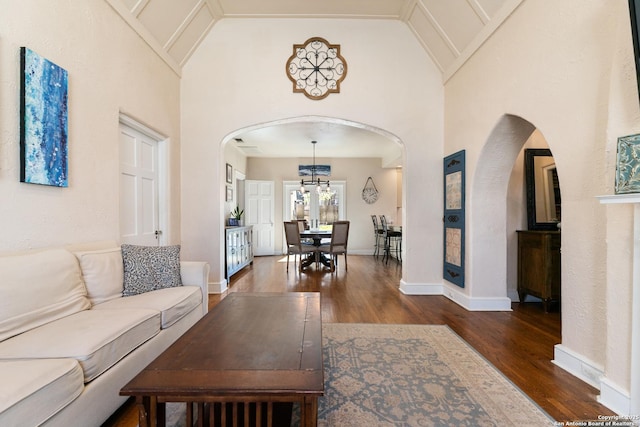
43	121
317	170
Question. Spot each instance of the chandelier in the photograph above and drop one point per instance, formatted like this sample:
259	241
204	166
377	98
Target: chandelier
314	180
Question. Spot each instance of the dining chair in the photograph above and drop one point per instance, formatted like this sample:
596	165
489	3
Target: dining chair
294	245
392	241
378	235
338	244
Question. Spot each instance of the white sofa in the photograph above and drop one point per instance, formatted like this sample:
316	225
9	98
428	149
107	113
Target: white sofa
69	340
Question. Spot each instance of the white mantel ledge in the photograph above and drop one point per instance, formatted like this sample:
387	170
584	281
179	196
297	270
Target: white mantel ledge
620	198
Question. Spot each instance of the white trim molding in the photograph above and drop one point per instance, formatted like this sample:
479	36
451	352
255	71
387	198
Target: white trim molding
463	300
577	365
421	288
218	287
614	398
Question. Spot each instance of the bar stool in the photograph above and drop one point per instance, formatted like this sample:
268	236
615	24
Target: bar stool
378	235
392	241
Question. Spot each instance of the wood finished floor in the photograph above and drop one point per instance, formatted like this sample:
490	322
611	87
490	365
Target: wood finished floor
519	343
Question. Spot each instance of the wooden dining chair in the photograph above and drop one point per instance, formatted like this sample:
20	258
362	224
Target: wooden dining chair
294	245
338	244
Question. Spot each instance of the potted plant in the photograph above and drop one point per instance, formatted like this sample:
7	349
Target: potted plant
236	216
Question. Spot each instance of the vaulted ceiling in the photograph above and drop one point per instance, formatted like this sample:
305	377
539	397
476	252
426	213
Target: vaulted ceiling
449	30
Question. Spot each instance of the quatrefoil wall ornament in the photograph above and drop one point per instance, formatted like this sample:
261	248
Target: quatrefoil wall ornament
316	68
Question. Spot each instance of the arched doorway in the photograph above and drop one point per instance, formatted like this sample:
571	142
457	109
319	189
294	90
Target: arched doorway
499	207
373	142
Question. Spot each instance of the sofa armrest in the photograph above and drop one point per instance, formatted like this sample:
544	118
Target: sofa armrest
196	273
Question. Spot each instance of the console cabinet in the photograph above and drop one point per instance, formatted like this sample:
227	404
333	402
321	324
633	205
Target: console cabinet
239	250
539	265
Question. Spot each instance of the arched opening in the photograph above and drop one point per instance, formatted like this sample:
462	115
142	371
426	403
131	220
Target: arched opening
347	139
499	205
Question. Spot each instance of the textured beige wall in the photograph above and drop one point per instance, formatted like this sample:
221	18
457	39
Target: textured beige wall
567	69
110	70
237	79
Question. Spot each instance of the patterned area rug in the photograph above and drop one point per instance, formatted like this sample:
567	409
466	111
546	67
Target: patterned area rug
410	375
415	375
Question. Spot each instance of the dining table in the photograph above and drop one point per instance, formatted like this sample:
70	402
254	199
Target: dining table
316	235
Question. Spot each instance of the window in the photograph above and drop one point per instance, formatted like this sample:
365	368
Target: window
319	210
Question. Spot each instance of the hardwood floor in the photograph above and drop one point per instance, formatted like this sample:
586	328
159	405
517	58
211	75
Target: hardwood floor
519	343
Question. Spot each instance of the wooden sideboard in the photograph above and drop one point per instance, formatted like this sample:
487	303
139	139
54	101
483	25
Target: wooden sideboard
539	265
238	248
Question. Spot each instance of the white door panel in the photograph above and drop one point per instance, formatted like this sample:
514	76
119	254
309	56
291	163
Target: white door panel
139	188
259	212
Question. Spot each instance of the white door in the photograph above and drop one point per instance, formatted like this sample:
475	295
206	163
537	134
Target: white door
139	171
259	212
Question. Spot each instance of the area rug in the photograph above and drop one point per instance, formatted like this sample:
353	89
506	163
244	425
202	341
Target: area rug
411	375
415	375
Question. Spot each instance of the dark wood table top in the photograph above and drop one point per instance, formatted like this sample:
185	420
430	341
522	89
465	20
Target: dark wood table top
249	344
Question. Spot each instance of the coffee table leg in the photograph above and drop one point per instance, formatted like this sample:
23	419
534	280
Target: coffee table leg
161	413
150	412
309	413
143	404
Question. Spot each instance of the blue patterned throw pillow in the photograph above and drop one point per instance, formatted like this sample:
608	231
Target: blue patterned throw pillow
147	268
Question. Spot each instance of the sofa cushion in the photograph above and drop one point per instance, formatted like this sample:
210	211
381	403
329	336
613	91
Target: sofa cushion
31	391
103	275
37	288
147	268
172	303
97	339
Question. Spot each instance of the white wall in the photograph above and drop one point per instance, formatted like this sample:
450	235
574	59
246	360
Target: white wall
110	70
566	68
237	79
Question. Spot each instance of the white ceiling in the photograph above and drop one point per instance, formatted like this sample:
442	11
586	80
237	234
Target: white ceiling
293	139
450	31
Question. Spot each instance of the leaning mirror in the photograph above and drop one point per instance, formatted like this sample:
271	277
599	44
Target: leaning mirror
543	190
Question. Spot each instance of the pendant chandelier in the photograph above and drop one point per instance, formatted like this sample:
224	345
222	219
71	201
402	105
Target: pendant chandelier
314	180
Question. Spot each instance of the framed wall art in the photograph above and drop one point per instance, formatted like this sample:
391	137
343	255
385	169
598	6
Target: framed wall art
314	170
453	267
43	121
628	165
229	173
229	195
316	68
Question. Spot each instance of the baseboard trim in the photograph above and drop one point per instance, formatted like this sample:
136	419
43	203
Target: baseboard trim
614	398
217	288
611	395
478	304
361	252
578	366
471	304
421	288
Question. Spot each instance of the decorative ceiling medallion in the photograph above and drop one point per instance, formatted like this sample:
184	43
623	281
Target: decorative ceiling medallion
316	68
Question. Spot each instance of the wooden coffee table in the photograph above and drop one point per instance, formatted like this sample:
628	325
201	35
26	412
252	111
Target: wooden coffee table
248	355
